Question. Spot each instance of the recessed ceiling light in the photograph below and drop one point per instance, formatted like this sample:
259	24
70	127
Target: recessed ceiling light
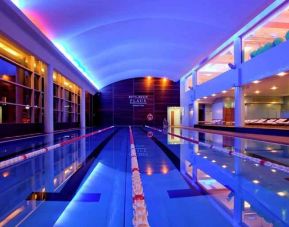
213	161
273	88
224	166
247	48
257	92
256	81
213	95
256	181
281	74
273	170
224	92
205	97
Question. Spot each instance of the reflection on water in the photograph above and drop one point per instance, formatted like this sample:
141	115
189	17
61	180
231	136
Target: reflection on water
44	173
248	193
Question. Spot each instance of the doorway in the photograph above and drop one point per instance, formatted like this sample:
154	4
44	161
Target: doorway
174	115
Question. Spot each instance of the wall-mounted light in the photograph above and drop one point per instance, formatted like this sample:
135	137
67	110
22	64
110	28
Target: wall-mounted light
9	50
281	74
257	92
274	88
256	81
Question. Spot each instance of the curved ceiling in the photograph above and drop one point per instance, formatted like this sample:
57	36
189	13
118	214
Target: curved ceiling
114	40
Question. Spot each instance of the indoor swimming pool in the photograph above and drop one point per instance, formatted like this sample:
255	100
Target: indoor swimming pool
88	178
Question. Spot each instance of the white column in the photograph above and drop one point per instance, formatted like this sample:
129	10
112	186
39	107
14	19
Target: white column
239	107
184	103
195	102
48	101
239	94
196	113
82	109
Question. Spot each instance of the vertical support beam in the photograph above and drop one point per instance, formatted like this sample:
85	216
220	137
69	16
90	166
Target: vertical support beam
48	101
195	102
239	107
82	109
184	103
239	94
196	113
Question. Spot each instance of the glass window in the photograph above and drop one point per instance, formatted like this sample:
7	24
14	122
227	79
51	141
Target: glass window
267	35
216	66
37	82
68	95
55	90
37	99
56	103
23	114
7	71
38	115
67	106
23	77
65	117
7	113
7	92
23	95
56	119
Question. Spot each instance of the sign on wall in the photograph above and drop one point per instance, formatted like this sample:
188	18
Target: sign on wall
138	100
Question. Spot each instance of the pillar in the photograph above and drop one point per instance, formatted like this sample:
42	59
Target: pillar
48	101
239	93
196	113
239	107
82	109
195	102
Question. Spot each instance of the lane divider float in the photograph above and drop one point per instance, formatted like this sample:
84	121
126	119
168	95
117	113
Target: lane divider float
20	158
140	213
237	153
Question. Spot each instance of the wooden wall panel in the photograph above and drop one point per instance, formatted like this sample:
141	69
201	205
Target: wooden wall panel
113	103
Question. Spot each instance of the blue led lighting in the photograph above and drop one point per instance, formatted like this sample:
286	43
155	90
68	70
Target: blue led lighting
73	204
75	62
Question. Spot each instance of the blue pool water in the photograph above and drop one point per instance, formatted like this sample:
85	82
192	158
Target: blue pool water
88	182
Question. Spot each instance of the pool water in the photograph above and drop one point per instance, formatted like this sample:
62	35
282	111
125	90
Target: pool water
89	182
